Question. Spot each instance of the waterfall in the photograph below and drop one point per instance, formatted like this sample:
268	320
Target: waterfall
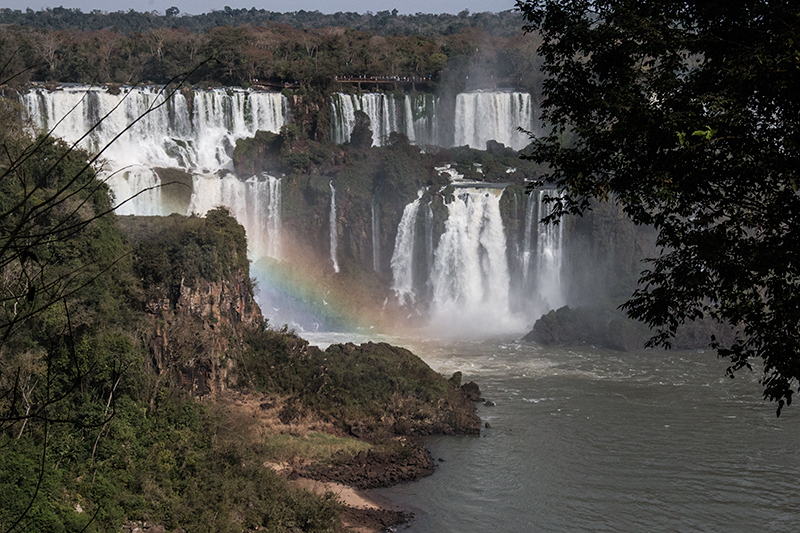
255	203
379	107
492	115
168	133
470	278
421	112
195	135
550	239
403	256
429	236
376	236
415	116
527	240
478	117
333	229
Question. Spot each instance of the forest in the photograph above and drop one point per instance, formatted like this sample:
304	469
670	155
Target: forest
305	50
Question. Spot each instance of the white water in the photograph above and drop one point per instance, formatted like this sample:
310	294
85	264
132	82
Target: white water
527	239
379	107
493	115
169	132
470	277
549	258
255	203
332	220
479	116
403	256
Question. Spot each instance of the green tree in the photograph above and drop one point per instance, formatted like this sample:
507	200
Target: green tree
687	113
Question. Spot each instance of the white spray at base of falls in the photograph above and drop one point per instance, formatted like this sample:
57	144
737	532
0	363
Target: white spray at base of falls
466	287
332	220
196	136
403	256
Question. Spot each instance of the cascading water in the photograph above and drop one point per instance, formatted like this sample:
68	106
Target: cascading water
379	107
162	132
403	256
493	115
332	220
256	204
527	240
470	278
465	283
416	116
550	239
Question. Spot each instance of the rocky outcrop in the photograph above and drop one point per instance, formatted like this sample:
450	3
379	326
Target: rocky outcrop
192	339
609	328
197	293
373	469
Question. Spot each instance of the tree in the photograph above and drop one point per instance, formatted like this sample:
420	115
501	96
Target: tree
687	113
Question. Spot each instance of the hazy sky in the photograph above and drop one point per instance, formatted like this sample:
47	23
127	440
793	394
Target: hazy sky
325	6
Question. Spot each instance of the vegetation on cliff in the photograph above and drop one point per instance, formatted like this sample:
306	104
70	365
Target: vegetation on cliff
110	337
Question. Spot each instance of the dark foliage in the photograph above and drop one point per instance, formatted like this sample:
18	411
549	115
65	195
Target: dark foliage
687	114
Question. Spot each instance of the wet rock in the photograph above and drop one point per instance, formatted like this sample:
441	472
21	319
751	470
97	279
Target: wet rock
472	391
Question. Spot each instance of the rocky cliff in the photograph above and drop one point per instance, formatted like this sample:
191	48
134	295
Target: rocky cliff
197	294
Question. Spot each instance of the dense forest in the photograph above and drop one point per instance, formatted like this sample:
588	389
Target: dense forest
241	47
506	23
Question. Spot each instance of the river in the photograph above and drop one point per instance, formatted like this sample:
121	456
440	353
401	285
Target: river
585	439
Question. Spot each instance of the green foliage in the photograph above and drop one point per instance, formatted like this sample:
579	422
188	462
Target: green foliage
89	436
686	113
352	385
177	250
314	446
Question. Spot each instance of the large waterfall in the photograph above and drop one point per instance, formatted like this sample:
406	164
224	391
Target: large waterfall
403	256
453	259
141	129
414	115
477	117
493	115
469	276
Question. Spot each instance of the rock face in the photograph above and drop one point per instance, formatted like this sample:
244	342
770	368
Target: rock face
197	293
374	469
607	327
191	340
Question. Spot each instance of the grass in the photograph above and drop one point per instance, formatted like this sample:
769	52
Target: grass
315	446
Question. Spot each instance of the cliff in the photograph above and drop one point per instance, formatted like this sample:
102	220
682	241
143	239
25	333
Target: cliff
197	295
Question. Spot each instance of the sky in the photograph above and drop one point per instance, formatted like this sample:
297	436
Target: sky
195	7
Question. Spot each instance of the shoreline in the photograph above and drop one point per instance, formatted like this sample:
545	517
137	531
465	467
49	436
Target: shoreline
364	513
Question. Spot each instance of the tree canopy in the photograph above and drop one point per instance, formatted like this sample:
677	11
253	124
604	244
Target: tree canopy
687	113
